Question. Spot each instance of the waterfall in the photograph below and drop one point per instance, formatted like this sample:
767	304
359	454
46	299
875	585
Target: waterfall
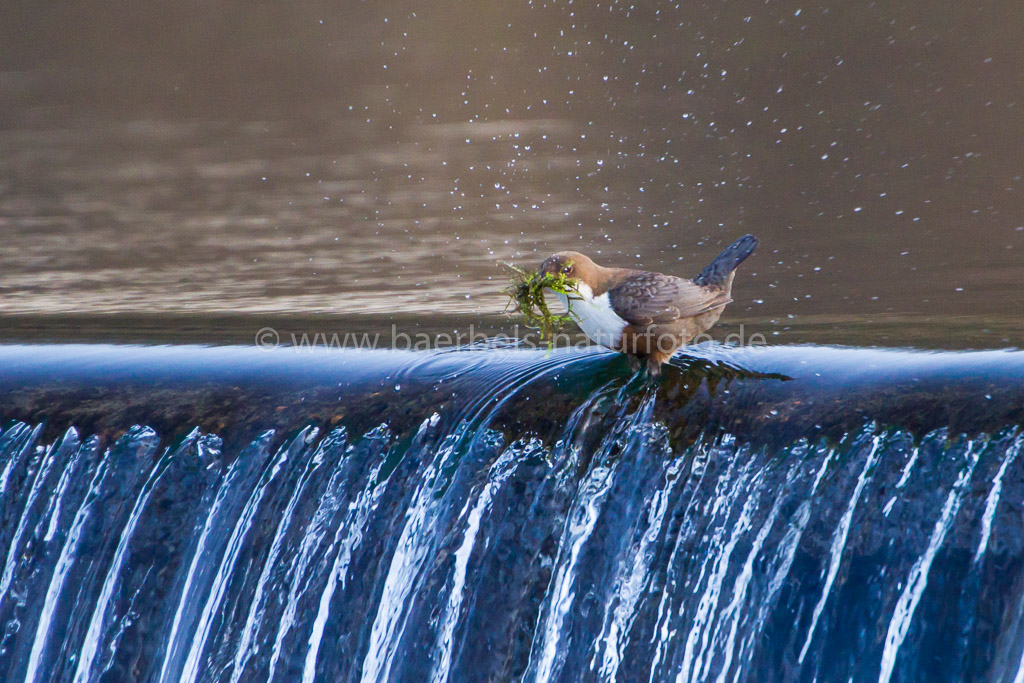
601	537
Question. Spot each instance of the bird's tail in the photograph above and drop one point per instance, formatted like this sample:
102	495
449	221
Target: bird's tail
717	272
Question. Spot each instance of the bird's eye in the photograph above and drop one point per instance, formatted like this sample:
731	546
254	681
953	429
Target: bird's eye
567	269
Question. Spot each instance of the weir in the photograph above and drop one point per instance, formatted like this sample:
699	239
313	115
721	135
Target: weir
495	513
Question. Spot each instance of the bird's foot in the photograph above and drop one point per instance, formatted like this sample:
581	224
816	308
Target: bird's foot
652	373
647	367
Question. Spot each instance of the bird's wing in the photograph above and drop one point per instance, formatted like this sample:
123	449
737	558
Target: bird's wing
646	298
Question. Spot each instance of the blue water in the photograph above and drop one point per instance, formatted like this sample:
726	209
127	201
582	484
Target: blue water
441	527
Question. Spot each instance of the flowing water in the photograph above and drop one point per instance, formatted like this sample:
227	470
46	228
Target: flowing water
362	163
499	514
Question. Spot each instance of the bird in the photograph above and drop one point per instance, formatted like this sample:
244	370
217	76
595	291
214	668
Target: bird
643	314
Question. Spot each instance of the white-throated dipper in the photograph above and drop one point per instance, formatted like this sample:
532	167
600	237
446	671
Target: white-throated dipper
643	314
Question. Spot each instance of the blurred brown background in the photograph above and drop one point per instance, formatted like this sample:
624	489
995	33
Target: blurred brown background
367	162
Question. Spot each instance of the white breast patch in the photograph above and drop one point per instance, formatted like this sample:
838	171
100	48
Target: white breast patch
595	316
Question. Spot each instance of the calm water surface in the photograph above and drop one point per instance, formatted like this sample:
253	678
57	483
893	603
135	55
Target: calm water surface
200	167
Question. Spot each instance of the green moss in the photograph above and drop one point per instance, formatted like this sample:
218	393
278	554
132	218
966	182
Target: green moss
526	297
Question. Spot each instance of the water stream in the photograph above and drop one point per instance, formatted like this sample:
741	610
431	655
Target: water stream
588	538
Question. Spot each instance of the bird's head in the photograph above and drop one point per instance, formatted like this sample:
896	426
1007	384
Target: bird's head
573	265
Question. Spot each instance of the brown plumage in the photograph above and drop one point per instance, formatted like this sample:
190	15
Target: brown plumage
648	315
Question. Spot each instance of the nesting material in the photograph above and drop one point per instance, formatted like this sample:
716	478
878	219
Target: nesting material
526	297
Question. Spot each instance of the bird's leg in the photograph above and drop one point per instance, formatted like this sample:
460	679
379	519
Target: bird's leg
647	368
636	363
656	360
